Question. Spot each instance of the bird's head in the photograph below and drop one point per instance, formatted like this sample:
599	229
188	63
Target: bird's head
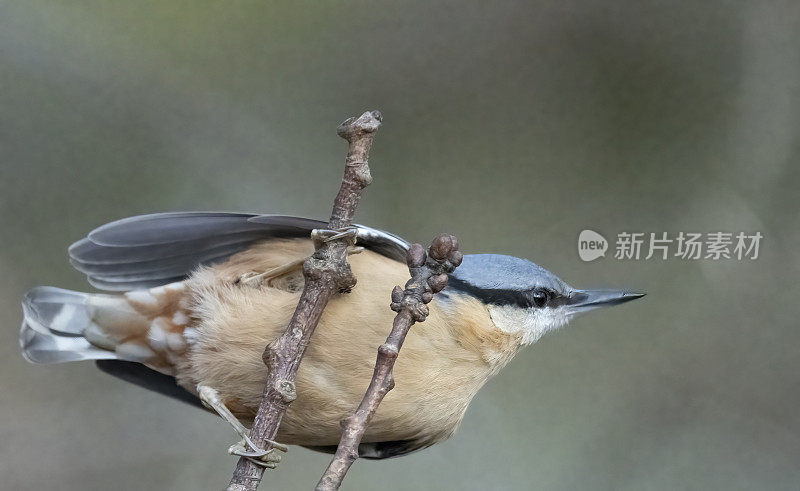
525	298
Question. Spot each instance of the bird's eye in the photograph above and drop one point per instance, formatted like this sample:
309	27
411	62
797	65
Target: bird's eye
539	298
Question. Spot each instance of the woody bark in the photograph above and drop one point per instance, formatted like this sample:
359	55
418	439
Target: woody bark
428	276
326	272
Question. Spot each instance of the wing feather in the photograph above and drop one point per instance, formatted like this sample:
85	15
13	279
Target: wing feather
151	250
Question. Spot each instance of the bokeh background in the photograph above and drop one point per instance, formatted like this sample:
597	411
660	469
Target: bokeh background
512	125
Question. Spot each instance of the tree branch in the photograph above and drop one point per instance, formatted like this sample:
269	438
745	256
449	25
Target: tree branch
428	276
326	272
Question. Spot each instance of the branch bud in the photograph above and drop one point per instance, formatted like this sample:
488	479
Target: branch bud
416	256
438	282
441	246
397	294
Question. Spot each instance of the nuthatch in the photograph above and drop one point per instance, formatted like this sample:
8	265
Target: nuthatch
203	293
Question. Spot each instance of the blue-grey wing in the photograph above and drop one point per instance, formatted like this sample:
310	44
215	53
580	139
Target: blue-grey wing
151	250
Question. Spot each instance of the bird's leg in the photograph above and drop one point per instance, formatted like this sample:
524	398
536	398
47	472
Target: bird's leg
252	278
245	448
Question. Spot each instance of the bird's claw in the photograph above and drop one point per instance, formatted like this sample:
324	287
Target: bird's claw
322	235
264	458
245	448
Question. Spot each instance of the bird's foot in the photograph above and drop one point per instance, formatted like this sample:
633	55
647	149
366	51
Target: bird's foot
322	235
245	448
264	458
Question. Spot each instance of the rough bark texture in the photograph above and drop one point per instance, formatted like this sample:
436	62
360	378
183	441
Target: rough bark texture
428	276
326	272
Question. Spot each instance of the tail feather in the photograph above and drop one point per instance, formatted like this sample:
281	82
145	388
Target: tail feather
53	326
50	348
144	326
136	336
54	310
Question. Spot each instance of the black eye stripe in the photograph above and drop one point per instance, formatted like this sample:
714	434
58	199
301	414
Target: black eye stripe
524	299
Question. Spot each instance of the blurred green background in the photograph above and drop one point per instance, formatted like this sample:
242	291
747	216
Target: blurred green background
512	125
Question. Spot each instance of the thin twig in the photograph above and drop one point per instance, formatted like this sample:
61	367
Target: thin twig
325	272
428	276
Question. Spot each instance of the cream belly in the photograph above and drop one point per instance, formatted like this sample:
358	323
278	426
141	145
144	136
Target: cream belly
443	363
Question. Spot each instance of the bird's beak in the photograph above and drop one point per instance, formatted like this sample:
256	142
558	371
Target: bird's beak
585	300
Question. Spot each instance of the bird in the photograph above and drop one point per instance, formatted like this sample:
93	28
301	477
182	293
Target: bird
192	298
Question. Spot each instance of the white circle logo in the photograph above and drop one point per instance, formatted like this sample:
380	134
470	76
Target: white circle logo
591	245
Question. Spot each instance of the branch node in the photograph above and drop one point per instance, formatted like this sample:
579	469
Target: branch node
270	356
361	174
369	122
388	351
287	390
319	268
